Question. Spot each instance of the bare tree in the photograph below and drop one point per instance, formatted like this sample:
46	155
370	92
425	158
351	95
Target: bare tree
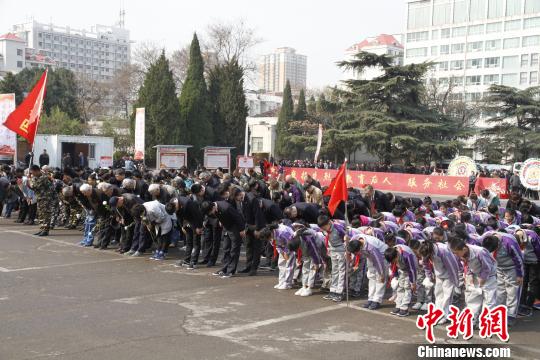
91	97
232	40
145	54
124	87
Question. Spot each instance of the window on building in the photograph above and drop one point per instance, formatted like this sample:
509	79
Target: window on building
510	79
491	79
512	25
435	34
476	29
416	52
457	80
475	46
474	63
434	50
493	45
493	27
477	9
523	78
19	52
456	64
534	59
510	62
531	23
91	151
532	6
458	48
459	31
513	7
524	60
534	77
443	81
475	96
443	66
531	40
445	49
473	80
491	62
56	38
256	144
19	64
445	33
495	9
511	43
417	36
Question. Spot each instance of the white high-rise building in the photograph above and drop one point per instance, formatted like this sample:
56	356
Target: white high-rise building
282	65
382	44
476	43
97	53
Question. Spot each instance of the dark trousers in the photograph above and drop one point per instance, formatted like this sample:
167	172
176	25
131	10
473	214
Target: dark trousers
140	237
253	251
193	246
531	284
232	242
164	242
212	241
23	210
32	211
126	236
471	189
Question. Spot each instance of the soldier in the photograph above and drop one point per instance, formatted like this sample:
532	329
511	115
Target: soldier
43	188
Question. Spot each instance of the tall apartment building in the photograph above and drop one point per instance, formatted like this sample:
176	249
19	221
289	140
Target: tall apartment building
282	65
382	44
97	53
476	43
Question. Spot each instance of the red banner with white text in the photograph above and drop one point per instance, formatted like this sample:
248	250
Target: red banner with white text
397	182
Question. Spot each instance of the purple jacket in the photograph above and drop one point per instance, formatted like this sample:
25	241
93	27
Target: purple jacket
407	262
373	250
313	246
509	254
283	234
444	264
480	263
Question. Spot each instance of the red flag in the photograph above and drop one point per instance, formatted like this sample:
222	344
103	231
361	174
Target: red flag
24	120
338	189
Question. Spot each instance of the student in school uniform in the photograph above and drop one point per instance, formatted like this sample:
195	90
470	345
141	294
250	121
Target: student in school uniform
373	250
443	268
403	267
335	233
280	235
506	251
480	272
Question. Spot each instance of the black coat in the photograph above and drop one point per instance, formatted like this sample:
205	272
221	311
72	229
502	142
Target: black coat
43	159
268	212
307	211
382	202
190	212
229	217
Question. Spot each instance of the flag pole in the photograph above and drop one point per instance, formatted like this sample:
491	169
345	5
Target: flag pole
346	241
40	108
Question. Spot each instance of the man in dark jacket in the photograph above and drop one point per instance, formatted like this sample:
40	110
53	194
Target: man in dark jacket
250	211
303	211
375	200
212	229
43	159
121	207
190	219
234	225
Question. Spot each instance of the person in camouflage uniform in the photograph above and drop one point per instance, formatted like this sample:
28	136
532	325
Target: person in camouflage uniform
74	208
43	188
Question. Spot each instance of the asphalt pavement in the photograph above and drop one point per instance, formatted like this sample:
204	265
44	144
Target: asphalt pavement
59	300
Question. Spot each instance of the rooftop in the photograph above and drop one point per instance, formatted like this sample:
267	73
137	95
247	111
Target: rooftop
379	40
12	37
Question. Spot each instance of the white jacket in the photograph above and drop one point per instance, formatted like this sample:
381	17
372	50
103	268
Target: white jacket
155	213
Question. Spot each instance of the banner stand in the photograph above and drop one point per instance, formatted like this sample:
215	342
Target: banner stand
171	156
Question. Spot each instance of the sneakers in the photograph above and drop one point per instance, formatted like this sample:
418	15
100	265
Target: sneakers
525	311
355	294
299	291
218	273
155	255
284	287
129	253
395	311
191	267
424	307
226	275
374	305
338	298
403	313
306	292
137	254
417	306
329	296
277	286
160	256
367	304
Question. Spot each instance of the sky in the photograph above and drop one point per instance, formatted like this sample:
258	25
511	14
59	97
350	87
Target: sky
322	30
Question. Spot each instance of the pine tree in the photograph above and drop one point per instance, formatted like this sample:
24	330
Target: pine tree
312	106
230	111
162	114
195	108
10	85
301	108
286	114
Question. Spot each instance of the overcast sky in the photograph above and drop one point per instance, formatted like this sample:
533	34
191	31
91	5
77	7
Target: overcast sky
322	30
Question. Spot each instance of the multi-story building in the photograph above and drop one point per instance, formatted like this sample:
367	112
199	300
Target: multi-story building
476	43
12	53
258	103
97	53
382	44
282	65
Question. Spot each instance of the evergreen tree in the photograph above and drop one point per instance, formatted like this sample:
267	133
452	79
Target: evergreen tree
10	85
286	114
513	133
301	108
195	108
312	106
230	111
162	115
